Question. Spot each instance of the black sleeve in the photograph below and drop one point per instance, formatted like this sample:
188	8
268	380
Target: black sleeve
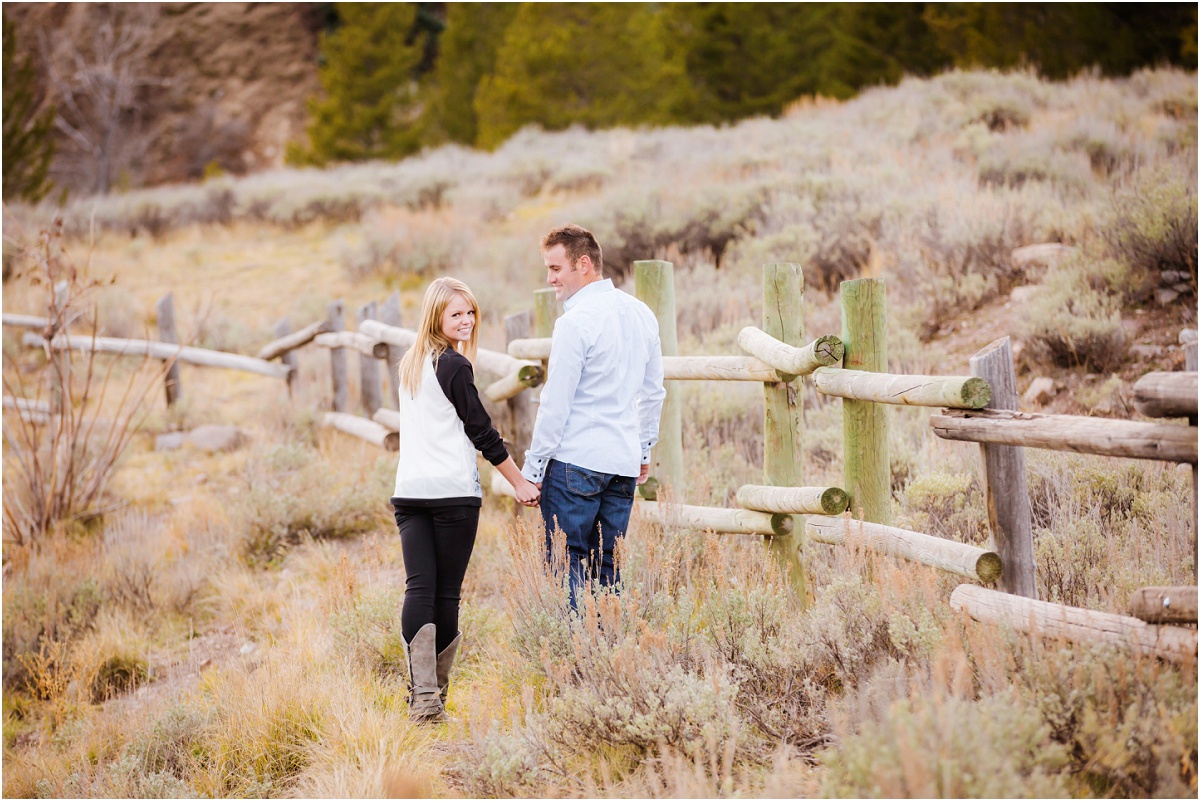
457	380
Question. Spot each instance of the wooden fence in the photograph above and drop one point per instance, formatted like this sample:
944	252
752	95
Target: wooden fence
981	408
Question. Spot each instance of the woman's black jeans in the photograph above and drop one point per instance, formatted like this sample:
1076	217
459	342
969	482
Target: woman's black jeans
437	542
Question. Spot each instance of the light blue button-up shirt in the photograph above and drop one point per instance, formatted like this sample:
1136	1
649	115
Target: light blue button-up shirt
604	386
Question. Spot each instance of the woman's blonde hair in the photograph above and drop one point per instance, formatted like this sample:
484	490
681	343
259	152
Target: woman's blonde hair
430	339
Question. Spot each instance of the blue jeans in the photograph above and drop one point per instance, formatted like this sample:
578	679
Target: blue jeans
592	509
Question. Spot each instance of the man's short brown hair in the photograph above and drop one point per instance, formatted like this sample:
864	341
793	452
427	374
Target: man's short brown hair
577	242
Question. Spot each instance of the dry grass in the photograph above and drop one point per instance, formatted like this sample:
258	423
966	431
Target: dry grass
234	630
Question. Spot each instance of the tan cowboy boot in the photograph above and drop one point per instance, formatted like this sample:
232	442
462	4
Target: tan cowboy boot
445	660
424	699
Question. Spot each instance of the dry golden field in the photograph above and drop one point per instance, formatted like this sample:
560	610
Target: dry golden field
228	623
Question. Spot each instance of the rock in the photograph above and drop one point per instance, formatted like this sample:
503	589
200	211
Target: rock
1172	276
1023	294
248	649
216	438
1182	288
1145	351
1165	297
169	442
1043	257
1040	392
1187	335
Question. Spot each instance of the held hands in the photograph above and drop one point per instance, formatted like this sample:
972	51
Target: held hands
527	494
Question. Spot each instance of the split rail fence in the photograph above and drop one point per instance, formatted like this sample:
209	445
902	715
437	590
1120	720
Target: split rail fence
980	408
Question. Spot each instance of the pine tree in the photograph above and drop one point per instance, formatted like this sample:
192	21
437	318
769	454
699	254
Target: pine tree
370	105
468	50
595	64
28	145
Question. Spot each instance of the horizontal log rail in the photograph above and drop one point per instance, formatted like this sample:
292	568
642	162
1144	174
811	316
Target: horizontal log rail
952	392
364	429
717	520
787	359
285	344
25	321
161	350
953	557
1166	395
793	500
388	418
352	340
1061	432
31	411
1164	604
489	361
513	384
535	348
718	368
1076	625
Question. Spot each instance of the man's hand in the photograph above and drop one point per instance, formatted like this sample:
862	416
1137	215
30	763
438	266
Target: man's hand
643	474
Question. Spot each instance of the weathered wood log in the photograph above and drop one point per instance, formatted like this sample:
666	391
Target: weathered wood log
521	412
368	363
500	486
783	411
288	357
489	361
654	283
530	348
1061	432
788	359
951	392
793	500
1164	604
718	368
1166	395
36	412
60	359
25	321
1010	518
389	314
545	313
352	340
388	418
513	384
675	368
364	429
953	557
865	425
1076	625
338	369
165	312
288	343
161	350
718	520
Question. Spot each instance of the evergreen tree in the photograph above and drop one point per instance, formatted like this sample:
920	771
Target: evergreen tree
596	64
28	145
370	105
468	50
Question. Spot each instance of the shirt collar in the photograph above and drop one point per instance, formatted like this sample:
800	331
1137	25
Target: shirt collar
594	288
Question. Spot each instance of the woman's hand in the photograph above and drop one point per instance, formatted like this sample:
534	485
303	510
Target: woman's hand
527	494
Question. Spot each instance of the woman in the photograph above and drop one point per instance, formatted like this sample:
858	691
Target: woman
437	498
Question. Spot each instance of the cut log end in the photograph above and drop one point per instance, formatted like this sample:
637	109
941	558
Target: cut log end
834	501
531	375
391	442
782	525
976	393
649	489
829	350
989	567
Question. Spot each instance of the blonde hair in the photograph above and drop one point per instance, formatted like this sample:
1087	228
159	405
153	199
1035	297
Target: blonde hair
430	340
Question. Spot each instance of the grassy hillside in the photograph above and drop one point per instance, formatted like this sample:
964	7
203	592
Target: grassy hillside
230	624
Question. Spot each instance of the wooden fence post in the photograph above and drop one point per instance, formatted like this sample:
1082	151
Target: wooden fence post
1009	515
389	314
783	455
165	311
545	312
282	329
60	373
368	367
654	283
865	424
520	407
335	312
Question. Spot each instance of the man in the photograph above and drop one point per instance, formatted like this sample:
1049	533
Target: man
599	410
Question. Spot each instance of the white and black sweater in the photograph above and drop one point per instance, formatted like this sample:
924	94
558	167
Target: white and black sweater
440	430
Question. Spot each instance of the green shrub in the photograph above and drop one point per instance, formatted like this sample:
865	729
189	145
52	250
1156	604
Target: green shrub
1071	324
948	505
1152	227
